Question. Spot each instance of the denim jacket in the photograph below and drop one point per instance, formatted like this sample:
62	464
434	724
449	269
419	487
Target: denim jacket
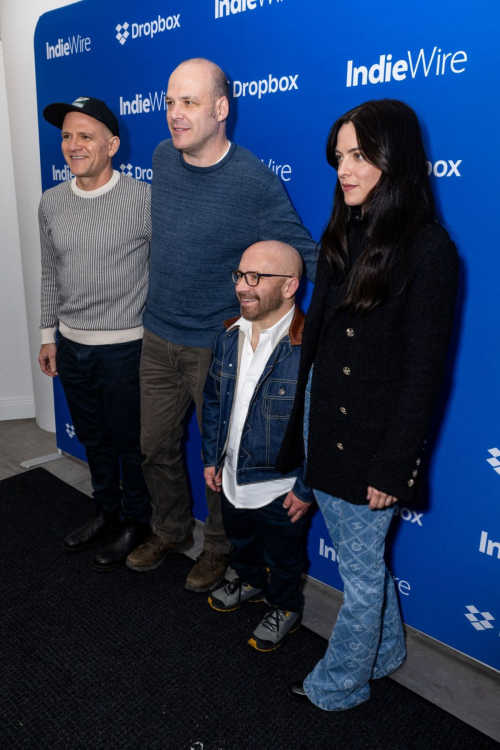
268	411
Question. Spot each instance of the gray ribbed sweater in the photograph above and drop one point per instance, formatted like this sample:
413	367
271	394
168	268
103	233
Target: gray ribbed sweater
95	252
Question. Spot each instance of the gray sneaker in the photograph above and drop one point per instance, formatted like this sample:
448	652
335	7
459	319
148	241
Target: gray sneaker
234	593
273	629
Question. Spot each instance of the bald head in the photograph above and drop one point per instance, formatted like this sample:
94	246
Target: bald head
215	76
277	257
197	113
267	301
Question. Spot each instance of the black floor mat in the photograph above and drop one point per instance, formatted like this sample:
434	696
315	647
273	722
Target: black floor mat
135	662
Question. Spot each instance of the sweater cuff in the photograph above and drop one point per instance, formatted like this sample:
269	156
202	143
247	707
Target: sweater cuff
48	335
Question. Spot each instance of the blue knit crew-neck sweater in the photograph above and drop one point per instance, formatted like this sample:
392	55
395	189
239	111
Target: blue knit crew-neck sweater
203	218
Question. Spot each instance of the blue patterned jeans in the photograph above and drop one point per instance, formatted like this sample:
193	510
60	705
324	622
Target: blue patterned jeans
367	640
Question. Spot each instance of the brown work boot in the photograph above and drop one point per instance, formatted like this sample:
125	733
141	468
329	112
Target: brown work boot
207	572
153	552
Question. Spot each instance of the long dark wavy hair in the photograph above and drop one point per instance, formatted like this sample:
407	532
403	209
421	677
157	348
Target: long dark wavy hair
401	202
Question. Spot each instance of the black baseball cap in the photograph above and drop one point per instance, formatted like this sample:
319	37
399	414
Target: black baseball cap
55	113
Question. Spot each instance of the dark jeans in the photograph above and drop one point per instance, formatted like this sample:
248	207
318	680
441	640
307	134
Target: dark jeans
265	537
173	375
101	384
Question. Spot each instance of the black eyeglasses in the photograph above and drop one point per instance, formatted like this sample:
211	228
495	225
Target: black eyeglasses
252	278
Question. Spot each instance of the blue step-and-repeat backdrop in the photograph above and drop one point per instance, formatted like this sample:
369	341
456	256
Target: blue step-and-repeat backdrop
294	67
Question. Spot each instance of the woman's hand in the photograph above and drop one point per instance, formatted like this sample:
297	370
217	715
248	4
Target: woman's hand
379	500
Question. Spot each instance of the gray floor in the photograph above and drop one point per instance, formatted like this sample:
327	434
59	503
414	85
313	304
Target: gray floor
460	685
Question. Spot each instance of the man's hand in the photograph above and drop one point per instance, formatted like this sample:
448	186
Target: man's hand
296	508
213	481
379	500
47	359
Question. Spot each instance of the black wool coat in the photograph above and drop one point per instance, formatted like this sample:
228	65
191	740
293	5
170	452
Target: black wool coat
376	377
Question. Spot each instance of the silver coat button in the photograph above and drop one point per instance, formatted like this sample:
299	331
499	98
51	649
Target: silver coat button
415	473
346	370
350	331
343	410
410	483
281	391
340	446
418	461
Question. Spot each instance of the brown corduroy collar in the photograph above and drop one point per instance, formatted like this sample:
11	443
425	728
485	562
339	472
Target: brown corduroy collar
296	326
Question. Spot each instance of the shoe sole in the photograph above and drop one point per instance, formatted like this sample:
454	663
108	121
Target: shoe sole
253	643
233	609
73	551
299	698
108	568
219	609
88	545
144	568
204	589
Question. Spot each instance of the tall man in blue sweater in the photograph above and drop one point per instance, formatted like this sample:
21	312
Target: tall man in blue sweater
211	199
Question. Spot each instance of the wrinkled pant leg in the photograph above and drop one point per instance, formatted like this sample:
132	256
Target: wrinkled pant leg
242	529
164	403
284	555
77	375
341	679
194	364
117	378
391	652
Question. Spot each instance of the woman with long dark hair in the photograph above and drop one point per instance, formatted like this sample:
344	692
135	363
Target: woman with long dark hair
373	358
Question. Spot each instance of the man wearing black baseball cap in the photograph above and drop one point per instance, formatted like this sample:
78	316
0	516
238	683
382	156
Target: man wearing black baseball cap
55	113
95	231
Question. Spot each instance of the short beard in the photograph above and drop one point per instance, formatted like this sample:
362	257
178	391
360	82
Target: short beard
272	303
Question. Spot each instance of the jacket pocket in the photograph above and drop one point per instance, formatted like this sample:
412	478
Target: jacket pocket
278	398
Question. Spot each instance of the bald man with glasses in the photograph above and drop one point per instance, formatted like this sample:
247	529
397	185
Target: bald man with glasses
248	398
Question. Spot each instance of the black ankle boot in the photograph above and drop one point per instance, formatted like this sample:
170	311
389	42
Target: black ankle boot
113	553
87	535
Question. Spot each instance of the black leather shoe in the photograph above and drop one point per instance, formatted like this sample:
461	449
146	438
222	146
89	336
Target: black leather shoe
297	692
87	535
113	553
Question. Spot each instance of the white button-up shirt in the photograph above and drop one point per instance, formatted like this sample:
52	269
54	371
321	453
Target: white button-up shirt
255	494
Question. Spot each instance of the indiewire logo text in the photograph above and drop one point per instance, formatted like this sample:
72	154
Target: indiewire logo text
143	104
61	175
268	85
73	46
150	28
329	553
231	7
431	63
487	546
282	170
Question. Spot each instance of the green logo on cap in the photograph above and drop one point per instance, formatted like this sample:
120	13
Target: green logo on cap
80	101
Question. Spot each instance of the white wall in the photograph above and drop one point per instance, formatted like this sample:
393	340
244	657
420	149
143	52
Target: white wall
18	19
16	386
